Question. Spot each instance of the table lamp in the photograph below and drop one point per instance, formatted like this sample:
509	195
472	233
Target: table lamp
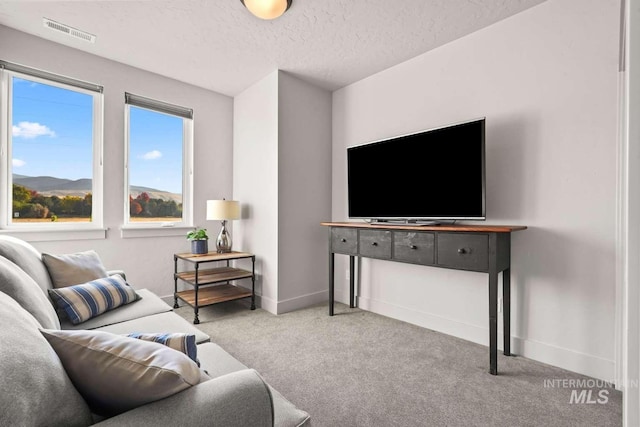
223	210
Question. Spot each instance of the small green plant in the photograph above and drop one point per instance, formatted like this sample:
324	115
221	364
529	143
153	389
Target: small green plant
198	234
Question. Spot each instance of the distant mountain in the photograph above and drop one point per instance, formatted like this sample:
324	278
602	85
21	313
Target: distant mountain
42	184
52	186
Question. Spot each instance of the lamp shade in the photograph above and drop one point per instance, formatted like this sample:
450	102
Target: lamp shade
267	9
223	209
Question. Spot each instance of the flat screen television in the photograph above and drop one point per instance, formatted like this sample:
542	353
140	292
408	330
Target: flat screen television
435	175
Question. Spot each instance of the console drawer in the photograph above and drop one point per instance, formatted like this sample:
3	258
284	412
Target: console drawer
463	251
344	240
375	243
417	248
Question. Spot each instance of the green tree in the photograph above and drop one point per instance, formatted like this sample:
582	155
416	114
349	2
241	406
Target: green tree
21	199
70	205
21	194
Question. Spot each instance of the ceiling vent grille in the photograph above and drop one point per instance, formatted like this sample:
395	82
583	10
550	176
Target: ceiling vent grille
70	31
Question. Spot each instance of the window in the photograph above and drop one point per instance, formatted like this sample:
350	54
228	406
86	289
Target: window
51	150
158	178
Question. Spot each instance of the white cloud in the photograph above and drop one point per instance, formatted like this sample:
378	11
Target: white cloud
30	130
152	155
18	163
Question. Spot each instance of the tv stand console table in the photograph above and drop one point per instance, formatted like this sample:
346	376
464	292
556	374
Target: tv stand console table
482	248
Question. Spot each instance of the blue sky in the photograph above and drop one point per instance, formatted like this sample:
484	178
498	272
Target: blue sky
52	134
155	150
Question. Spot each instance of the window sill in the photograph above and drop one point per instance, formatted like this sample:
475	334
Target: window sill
128	232
49	235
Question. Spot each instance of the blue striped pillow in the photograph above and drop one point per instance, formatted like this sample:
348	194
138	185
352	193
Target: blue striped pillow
186	343
82	302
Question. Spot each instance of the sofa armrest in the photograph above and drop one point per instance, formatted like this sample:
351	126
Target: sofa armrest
120	272
240	398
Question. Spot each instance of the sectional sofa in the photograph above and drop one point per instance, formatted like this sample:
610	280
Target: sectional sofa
41	386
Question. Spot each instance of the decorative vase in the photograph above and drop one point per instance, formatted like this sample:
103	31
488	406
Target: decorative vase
223	242
199	247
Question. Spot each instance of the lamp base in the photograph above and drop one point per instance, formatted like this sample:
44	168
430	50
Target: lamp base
223	242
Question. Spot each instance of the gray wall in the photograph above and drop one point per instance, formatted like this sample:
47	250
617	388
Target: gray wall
148	261
546	79
255	181
304	186
282	164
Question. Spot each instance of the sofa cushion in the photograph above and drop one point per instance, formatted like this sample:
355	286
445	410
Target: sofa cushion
217	362
162	322
239	399
36	390
148	304
184	343
22	288
115	373
73	269
83	302
25	256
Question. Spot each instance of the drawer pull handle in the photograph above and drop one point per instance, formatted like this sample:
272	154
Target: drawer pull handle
343	240
374	244
463	251
413	247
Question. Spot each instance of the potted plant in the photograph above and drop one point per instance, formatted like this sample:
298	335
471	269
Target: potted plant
199	241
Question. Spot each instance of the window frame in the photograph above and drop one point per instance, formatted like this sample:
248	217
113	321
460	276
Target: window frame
129	228
8	71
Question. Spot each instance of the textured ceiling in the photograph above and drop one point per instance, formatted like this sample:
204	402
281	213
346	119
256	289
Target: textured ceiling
219	45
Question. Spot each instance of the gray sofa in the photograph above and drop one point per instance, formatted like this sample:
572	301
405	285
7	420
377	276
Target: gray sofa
36	389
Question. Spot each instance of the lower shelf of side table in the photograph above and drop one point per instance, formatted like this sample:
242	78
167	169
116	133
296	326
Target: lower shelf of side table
213	295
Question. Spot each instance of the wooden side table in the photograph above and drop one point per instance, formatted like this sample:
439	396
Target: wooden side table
206	288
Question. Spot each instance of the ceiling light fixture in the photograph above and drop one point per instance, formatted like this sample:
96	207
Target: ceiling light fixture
267	9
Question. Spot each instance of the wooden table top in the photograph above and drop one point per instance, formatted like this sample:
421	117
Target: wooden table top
418	227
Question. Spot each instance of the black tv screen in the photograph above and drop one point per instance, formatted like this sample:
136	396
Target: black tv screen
436	174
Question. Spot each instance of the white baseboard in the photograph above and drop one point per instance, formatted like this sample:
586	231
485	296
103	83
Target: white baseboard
267	304
302	301
280	307
291	304
574	361
564	358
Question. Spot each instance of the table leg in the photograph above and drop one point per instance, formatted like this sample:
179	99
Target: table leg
493	322
331	284
196	320
253	282
506	316
175	282
351	280
358	281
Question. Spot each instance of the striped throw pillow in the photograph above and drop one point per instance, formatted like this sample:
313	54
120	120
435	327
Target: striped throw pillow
185	343
83	302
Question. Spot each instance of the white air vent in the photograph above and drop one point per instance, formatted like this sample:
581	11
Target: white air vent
73	32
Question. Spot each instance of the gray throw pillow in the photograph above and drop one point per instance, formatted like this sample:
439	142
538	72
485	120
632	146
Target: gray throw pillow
115	373
25	256
74	269
36	390
22	288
